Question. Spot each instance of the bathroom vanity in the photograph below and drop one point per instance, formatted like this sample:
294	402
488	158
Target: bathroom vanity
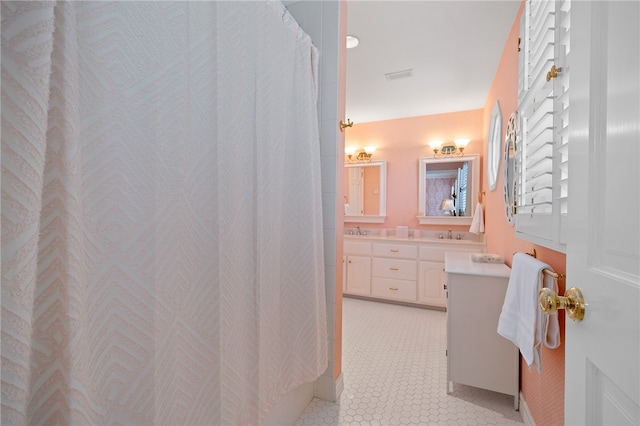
476	354
405	270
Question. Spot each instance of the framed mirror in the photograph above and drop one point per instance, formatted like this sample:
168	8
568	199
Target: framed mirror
448	189
494	143
510	151
365	192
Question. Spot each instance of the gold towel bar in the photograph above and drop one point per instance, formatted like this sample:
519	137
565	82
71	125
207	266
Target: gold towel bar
555	275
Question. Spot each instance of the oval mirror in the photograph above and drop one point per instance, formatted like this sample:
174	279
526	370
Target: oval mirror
510	151
494	142
448	189
365	189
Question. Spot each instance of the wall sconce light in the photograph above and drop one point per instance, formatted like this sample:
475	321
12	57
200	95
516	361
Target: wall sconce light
448	207
449	149
361	156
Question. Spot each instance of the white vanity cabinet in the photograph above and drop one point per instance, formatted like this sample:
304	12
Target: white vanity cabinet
476	354
431	284
400	270
357	255
394	271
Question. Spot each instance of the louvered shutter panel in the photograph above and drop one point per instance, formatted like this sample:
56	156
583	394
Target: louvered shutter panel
543	105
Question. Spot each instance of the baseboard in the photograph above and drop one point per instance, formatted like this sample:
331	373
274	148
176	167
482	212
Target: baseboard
328	389
527	418
395	302
291	406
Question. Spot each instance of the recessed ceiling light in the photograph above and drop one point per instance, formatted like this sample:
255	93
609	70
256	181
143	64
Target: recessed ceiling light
352	41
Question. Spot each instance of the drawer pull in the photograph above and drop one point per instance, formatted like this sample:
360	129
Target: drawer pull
393	269
394	250
393	288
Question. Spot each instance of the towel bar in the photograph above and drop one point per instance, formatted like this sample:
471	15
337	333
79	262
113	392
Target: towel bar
549	272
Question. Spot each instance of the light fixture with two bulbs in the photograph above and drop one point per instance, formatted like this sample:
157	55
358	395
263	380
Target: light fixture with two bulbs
449	149
359	156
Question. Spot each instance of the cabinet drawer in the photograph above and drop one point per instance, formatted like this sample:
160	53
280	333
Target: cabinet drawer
399	251
437	253
357	247
394	268
394	289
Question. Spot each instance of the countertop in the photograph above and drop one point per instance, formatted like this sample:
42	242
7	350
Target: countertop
410	240
460	263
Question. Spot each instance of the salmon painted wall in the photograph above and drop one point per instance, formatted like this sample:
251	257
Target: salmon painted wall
401	143
543	393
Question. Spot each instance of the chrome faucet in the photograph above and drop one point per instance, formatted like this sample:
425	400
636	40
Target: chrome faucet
449	234
358	232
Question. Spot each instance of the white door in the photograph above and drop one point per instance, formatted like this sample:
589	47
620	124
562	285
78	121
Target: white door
602	356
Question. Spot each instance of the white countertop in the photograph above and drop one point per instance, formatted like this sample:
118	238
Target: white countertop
460	263
410	240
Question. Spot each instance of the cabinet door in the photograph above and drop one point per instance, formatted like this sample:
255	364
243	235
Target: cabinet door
431	284
359	275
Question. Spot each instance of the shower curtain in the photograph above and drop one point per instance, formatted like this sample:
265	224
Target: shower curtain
162	253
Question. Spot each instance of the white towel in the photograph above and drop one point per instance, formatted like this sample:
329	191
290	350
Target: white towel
347	209
521	321
477	224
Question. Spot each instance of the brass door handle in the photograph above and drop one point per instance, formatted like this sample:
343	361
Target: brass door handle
394	250
553	72
393	269
572	302
393	288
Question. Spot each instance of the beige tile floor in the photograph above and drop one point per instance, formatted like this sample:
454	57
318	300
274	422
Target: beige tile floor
394	370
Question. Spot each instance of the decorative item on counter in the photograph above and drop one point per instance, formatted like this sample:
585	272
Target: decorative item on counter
402	232
486	258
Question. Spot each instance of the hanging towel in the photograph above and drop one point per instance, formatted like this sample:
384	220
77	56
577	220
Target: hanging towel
521	321
477	224
347	209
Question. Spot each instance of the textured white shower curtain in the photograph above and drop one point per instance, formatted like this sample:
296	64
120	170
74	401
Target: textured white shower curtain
162	255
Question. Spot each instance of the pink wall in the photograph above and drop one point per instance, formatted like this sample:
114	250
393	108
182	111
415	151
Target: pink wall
401	143
543	393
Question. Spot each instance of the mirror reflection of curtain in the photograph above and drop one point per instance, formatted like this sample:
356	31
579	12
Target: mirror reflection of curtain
438	189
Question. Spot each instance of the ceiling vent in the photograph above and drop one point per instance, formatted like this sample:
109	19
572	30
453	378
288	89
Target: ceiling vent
399	74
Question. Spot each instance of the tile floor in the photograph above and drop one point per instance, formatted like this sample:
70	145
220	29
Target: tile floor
394	370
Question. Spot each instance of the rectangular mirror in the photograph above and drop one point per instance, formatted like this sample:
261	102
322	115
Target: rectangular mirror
448	189
365	192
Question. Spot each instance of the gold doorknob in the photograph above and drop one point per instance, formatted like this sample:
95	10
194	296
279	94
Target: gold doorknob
572	302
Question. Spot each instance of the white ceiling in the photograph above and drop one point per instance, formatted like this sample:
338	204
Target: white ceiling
453	48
